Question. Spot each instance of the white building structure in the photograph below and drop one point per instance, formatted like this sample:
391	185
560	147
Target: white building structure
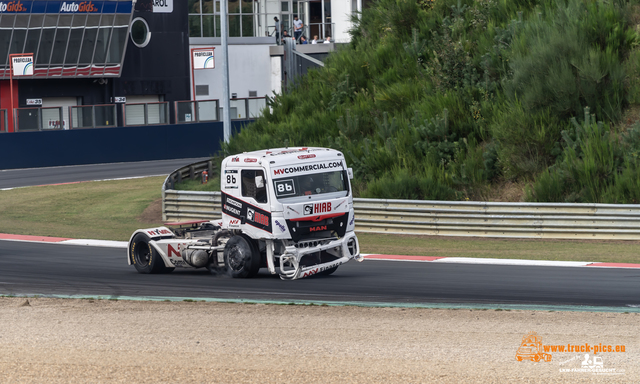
255	60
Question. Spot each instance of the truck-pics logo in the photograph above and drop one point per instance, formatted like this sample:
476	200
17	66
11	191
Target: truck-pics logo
531	349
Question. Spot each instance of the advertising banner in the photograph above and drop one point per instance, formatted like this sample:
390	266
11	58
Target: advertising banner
39	6
203	59
22	65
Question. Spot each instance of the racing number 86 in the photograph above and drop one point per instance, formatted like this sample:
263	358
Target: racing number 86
231	179
285	187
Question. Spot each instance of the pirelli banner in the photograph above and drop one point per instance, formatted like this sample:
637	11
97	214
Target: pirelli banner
246	213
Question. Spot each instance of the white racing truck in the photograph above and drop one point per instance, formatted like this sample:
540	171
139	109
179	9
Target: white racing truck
289	210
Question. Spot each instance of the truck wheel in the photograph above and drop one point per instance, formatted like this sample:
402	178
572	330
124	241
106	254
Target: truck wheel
144	257
241	257
328	271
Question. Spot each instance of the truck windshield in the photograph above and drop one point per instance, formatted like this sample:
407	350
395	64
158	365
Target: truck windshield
311	184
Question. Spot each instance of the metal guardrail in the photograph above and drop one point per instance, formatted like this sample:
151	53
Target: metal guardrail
442	218
191	171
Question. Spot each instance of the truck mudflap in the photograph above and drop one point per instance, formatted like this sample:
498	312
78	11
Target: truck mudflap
290	268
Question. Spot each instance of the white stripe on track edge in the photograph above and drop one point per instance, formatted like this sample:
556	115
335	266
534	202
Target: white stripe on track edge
539	263
96	243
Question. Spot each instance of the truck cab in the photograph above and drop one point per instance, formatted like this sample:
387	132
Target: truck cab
294	198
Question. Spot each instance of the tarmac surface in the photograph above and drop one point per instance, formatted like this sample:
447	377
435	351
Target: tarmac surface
14	178
55	269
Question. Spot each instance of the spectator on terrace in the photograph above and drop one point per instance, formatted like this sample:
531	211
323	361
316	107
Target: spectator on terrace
278	28
303	40
315	39
297	27
327	40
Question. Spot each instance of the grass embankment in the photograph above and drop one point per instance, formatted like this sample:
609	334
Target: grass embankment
112	210
451	99
109	210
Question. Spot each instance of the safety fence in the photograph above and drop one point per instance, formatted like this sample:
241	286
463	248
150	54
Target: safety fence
451	218
440	218
134	114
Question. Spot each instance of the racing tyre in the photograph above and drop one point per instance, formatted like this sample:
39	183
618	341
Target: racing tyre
144	257
241	257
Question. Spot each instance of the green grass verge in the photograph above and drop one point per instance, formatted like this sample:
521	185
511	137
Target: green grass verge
112	210
618	251
106	210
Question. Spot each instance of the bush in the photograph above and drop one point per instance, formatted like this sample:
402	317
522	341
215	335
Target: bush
525	141
431	184
588	167
570	58
440	99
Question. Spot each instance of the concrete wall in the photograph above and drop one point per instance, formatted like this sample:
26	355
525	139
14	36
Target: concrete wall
340	15
110	145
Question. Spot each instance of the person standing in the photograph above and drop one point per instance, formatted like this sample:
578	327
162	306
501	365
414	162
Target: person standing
278	26
297	27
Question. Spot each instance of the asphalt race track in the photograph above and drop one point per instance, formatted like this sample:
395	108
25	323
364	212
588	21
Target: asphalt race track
40	176
49	269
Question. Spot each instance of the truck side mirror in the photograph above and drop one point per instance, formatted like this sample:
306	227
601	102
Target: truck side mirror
259	182
350	173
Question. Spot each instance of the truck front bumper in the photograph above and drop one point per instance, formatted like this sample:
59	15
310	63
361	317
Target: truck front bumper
348	247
